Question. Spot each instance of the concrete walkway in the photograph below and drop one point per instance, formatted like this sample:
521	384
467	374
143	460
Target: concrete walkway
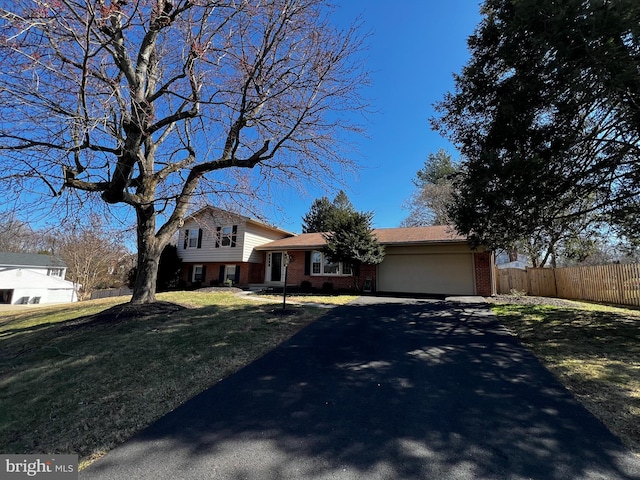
381	389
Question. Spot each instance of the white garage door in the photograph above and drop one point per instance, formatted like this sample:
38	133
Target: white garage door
449	274
58	295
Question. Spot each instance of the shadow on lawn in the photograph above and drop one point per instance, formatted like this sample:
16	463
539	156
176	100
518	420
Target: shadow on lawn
596	353
86	384
430	390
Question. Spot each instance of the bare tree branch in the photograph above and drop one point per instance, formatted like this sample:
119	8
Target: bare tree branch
153	104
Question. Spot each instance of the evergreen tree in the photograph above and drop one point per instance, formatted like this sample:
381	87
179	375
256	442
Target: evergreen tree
318	219
324	214
169	269
438	169
352	242
546	115
430	203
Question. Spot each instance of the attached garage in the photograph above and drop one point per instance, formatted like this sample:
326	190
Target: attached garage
432	261
418	261
435	273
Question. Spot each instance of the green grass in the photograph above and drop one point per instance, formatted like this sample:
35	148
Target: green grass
298	298
594	350
70	384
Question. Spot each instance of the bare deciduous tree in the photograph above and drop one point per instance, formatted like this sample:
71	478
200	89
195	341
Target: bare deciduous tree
149	103
18	237
94	256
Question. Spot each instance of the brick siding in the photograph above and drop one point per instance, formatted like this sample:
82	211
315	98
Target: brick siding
249	272
482	263
295	275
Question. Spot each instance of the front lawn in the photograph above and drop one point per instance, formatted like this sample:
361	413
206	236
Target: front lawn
74	379
594	351
297	298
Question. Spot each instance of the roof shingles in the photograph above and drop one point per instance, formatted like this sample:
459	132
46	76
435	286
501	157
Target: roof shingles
29	260
386	236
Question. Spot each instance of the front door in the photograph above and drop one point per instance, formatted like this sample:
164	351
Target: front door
274	267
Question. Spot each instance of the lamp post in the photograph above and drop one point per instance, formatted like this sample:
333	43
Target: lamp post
286	260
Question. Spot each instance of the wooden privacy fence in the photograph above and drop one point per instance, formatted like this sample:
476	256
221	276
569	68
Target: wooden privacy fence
111	292
619	284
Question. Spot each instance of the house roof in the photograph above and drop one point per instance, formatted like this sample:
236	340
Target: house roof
8	259
30	279
225	213
413	235
386	236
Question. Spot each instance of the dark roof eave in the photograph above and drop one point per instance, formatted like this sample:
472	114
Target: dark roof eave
269	227
424	242
266	247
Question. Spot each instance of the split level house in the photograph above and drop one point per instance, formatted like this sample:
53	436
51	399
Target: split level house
29	279
218	247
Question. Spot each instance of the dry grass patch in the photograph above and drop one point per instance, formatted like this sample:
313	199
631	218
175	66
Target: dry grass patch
298	298
594	350
72	383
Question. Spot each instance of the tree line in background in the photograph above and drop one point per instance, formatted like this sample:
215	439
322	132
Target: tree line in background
96	256
583	242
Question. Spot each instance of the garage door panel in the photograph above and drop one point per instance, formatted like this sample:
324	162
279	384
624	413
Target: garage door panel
447	274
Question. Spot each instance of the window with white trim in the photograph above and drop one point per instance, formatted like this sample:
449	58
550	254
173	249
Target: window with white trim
230	273
316	263
320	265
192	237
198	273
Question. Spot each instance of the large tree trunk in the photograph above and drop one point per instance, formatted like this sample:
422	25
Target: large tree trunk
149	249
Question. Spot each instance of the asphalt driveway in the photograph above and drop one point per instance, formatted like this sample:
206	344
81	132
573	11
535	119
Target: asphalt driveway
381	390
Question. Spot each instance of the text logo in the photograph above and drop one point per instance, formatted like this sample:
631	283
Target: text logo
50	467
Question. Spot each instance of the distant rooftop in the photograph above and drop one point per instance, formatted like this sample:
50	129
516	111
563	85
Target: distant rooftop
8	259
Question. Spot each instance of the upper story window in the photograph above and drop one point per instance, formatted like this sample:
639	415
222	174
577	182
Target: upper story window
55	272
320	265
226	236
192	238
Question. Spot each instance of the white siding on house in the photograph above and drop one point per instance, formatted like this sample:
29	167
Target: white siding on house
255	236
208	251
60	295
249	235
39	270
29	286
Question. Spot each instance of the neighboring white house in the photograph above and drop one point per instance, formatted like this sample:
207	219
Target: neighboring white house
513	260
28	279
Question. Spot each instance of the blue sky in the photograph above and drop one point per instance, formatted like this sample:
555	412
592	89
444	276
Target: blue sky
415	47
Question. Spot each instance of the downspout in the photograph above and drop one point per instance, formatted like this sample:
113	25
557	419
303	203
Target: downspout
494	287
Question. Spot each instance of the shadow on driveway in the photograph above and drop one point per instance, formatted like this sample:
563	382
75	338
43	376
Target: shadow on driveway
387	390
